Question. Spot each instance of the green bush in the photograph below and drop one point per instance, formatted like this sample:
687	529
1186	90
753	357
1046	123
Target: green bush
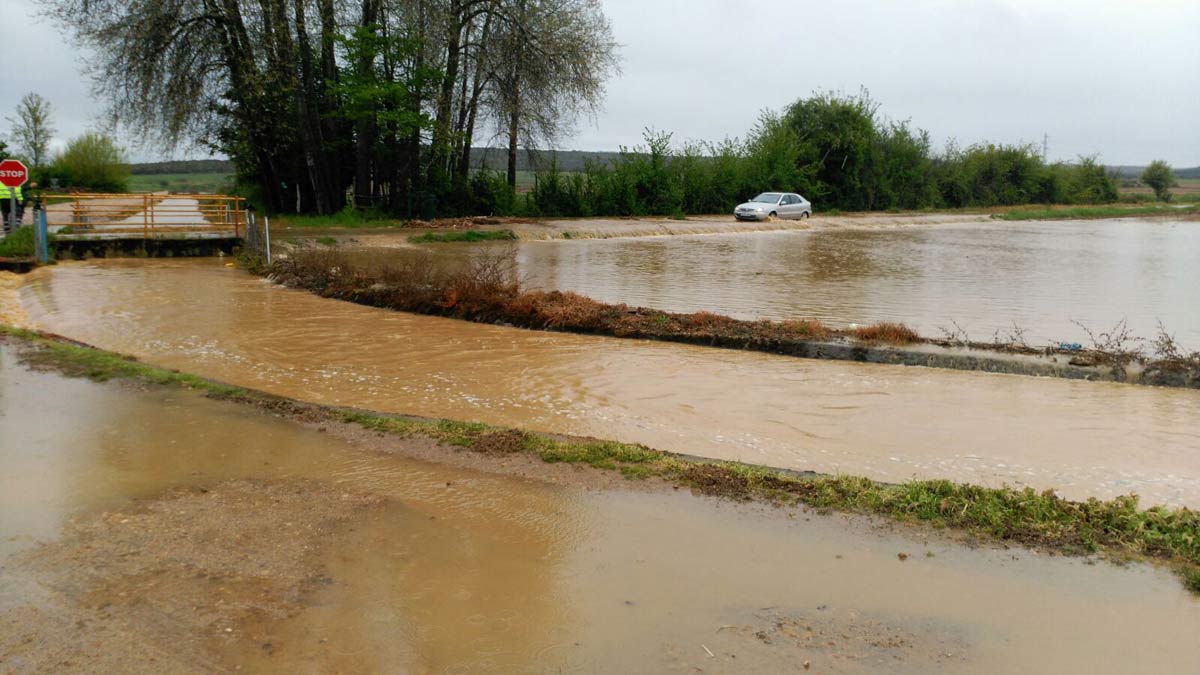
490	194
1160	178
92	162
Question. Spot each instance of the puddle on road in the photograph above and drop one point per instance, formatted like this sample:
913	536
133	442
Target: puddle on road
464	572
887	422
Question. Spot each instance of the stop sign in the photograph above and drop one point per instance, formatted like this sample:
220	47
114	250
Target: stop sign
13	173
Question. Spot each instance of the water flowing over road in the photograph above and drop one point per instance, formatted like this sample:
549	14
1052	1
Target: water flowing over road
1043	282
985	277
887	422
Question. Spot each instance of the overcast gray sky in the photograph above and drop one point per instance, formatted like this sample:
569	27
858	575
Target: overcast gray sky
1119	79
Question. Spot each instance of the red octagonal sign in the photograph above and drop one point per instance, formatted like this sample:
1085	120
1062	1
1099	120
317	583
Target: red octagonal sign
13	173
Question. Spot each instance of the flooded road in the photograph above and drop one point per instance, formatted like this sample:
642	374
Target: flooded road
983	276
455	571
11	313
886	422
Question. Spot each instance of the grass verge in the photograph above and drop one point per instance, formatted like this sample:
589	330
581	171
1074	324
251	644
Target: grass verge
1116	528
1091	212
463	235
77	360
19	244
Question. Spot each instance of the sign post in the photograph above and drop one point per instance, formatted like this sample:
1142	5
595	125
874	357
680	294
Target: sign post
13	174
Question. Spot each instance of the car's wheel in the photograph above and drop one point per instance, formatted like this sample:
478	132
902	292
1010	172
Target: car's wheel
773	216
804	215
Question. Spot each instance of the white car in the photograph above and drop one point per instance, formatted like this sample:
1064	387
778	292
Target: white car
774	205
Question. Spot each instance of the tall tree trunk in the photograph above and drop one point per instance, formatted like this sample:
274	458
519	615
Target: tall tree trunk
460	120
364	137
333	143
239	59
514	126
410	165
309	120
513	96
439	146
468	132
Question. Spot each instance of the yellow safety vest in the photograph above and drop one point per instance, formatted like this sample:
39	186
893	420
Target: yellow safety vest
7	192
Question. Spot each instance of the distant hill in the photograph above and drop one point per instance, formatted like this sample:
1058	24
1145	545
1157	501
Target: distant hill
183	166
496	159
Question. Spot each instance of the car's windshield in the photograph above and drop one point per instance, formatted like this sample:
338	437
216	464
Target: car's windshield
767	197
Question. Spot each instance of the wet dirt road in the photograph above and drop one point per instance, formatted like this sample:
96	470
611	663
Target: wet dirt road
437	570
886	422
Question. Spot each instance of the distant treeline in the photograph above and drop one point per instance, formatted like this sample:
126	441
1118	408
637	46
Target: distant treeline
835	149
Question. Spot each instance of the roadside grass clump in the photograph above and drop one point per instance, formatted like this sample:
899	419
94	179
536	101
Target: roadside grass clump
462	236
808	329
327	241
451	432
598	454
560	310
886	331
1118	528
1191	578
397	426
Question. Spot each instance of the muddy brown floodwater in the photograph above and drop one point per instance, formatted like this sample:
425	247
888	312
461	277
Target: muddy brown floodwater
984	276
886	422
158	531
1042	276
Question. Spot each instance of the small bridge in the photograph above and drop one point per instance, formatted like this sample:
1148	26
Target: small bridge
108	217
153	224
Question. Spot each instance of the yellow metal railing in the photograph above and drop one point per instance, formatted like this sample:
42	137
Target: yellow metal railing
149	213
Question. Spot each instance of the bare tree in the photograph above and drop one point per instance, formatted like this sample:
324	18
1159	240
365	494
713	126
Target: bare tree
551	59
32	128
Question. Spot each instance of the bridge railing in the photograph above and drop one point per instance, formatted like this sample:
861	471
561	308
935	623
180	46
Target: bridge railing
149	214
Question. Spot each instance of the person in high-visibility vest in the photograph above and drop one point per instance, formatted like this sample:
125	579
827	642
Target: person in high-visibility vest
6	196
20	203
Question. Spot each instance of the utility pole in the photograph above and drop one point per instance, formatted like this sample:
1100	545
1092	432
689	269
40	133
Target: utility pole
1045	145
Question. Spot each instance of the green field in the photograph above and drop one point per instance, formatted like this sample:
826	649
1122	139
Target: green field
1184	190
181	182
